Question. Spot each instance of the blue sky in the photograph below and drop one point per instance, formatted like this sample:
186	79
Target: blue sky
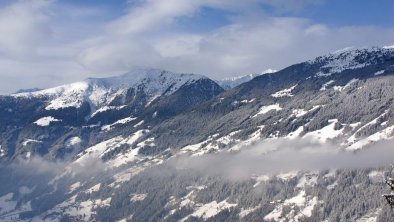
50	42
330	12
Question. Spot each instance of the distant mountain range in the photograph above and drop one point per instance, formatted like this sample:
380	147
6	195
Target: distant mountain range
232	82
134	124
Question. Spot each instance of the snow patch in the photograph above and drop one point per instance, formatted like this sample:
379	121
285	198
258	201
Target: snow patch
119	122
245	212
386	134
326	133
325	85
371	216
341	88
139	123
287	176
94	188
379	73
266	109
46	121
211	209
284	92
304	203
72	142
138	197
28	141
74	187
106	108
376	176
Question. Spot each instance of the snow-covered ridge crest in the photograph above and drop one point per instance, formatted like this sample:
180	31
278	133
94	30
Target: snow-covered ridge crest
231	82
101	91
349	58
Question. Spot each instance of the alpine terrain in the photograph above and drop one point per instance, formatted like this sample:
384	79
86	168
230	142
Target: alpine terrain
304	143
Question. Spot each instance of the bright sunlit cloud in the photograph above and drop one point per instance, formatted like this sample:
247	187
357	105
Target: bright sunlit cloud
48	42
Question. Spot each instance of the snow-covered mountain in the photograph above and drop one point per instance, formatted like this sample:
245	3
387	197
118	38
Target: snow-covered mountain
116	142
232	82
101	92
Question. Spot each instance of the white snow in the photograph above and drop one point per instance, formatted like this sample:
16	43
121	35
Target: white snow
388	47
298	200
354	138
376	176
124	158
385	134
326	133
371	216
27	141
287	176
98	150
332	186
133	138
341	88
296	133
74	187
266	109
245	212
2	152
302	201
232	82
268	71
379	73
106	108
94	188
339	51
139	123
119	122
325	85
248	101
46	121
72	142
308	179
138	197
211	209
284	92
83	210
340	61
100	92
299	112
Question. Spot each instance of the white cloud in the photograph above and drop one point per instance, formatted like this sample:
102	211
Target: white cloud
151	15
241	47
24	27
42	38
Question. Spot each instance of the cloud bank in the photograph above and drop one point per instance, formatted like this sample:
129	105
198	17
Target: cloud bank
46	43
282	156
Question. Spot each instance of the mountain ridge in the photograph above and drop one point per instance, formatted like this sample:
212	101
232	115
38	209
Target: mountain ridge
133	147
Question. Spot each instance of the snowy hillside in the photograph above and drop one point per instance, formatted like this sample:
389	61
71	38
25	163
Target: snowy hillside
102	91
152	145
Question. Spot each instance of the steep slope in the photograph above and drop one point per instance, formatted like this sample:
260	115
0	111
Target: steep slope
44	121
351	104
131	145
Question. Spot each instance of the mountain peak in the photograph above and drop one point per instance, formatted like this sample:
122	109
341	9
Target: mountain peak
99	91
350	58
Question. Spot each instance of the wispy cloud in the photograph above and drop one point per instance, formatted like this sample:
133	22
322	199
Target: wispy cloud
282	156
